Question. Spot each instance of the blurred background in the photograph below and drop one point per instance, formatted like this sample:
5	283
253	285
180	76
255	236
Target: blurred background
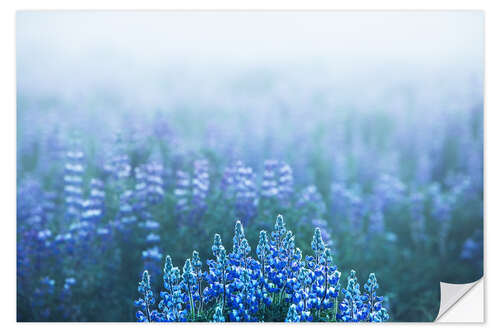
139	130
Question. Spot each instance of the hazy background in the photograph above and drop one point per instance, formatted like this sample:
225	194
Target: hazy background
139	55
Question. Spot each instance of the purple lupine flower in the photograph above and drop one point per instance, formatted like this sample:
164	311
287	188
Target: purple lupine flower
200	186
285	183
152	254
390	190
93	206
269	185
49	205
277	181
182	192
66	307
126	217
238	184
118	164
245	192
73	179
148	187
35	236
43	295
311	204
140	190
228	181
97	195
152	258
154	181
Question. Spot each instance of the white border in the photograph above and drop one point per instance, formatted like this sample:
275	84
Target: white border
8	145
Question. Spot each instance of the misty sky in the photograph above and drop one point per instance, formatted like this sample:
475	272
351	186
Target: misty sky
73	51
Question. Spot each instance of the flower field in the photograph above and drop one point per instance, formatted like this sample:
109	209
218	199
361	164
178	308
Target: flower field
384	186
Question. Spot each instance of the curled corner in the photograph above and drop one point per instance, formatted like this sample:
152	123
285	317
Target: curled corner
452	295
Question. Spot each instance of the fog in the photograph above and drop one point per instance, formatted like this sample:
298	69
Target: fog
144	58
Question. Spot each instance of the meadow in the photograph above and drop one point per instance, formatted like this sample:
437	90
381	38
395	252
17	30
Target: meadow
391	175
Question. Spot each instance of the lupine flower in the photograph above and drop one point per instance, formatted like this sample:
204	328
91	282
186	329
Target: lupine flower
148	187
152	254
277	181
390	190
73	173
311	204
269	185
362	307
292	315
146	301
42	297
201	183
285	183
243	287
93	207
182	192
118	165
323	226
238	184
245	192
154	182
172	299
189	284
218	316
125	216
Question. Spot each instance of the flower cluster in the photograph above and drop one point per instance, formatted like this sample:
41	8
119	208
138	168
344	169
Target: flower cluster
277	181
239	184
278	284
362	307
73	180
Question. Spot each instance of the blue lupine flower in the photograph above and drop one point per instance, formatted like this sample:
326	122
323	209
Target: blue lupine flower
73	179
218	316
119	163
243	287
154	182
323	226
390	190
189	283
311	204
292	315
126	216
201	184
148	187
93	206
285	183
269	185
146	301
238	183
182	192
